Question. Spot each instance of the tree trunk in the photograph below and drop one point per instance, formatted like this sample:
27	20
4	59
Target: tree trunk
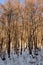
21	46
9	46
35	45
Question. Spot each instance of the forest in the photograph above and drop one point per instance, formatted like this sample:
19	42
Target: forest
21	27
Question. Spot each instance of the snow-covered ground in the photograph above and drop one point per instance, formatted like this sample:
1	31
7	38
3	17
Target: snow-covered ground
24	59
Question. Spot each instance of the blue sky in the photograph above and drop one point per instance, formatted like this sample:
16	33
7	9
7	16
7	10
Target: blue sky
21	0
3	1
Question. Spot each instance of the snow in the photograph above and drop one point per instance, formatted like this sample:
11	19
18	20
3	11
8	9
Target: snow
1	62
24	59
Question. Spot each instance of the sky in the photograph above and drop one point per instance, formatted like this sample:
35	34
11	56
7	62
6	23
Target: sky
3	1
21	0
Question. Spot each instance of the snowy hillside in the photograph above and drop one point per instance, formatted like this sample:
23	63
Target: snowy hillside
24	59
